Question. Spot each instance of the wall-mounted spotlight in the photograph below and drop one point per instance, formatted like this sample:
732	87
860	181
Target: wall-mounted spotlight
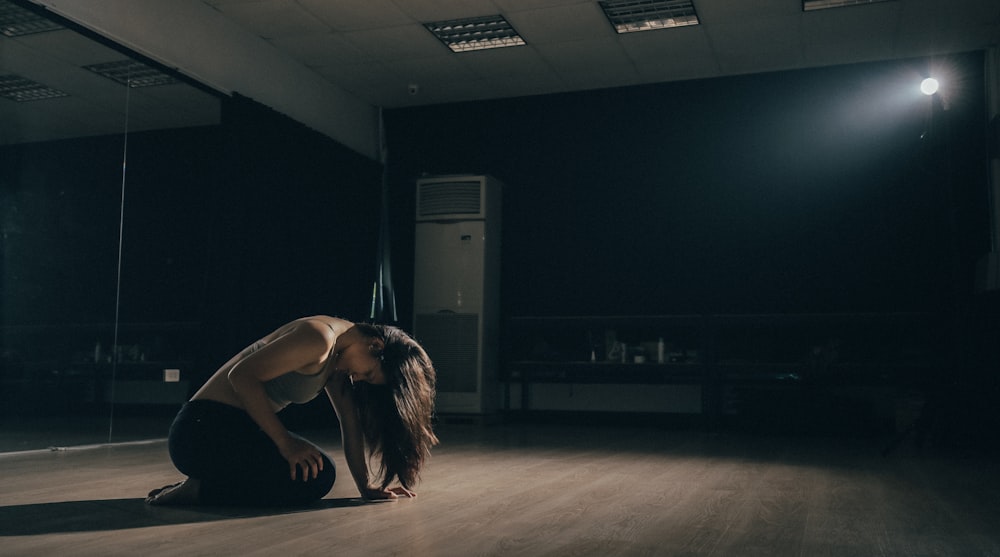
929	86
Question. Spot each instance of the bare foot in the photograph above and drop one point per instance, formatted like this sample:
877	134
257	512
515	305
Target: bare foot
181	493
158	490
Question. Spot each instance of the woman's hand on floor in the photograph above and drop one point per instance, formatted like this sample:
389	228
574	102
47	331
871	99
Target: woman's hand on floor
376	494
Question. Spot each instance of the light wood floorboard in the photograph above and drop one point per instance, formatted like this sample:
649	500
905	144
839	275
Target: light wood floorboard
536	490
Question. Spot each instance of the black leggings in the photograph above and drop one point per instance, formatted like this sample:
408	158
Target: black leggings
235	462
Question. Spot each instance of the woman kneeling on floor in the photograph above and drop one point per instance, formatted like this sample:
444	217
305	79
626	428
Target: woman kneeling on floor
234	450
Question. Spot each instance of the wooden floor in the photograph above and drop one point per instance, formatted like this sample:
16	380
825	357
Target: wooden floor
536	490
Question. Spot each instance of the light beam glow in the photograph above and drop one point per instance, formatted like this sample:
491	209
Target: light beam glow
929	86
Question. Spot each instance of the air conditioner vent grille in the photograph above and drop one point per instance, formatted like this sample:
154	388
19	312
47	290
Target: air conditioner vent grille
452	342
450	198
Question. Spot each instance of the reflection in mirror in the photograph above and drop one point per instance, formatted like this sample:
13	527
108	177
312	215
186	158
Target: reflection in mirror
84	362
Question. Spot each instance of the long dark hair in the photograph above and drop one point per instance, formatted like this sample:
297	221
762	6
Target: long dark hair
397	417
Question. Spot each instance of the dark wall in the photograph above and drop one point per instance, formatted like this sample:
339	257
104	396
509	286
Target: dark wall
830	190
295	232
235	228
60	230
827	190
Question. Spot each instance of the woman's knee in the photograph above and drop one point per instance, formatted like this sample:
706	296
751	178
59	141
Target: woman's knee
315	488
326	477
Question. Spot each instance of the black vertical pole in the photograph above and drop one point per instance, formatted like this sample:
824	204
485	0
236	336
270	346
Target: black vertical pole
383	308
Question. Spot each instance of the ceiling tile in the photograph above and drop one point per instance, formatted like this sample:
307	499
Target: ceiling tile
393	43
69	47
273	18
511	6
847	35
357	14
427	11
358	75
669	54
602	55
757	44
711	12
327	49
750	33
870	22
561	23
20	58
222	3
506	63
427	71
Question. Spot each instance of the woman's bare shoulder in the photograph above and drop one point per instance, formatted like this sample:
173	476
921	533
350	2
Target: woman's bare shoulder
323	323
316	325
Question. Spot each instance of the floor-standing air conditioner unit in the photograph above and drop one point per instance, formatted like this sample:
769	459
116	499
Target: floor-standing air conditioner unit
456	295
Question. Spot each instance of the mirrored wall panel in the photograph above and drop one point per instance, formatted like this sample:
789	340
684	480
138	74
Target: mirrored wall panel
90	139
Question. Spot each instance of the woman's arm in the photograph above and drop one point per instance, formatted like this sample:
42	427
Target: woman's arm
301	347
338	390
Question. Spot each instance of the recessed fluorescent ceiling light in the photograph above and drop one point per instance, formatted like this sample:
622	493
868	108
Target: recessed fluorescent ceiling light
477	33
131	73
630	16
20	89
16	21
810	5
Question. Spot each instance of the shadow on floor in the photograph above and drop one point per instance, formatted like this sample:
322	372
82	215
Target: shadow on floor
120	514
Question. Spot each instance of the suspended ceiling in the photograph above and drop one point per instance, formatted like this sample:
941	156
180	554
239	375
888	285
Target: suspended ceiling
363	54
377	48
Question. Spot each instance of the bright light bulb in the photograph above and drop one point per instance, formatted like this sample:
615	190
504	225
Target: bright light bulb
929	86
